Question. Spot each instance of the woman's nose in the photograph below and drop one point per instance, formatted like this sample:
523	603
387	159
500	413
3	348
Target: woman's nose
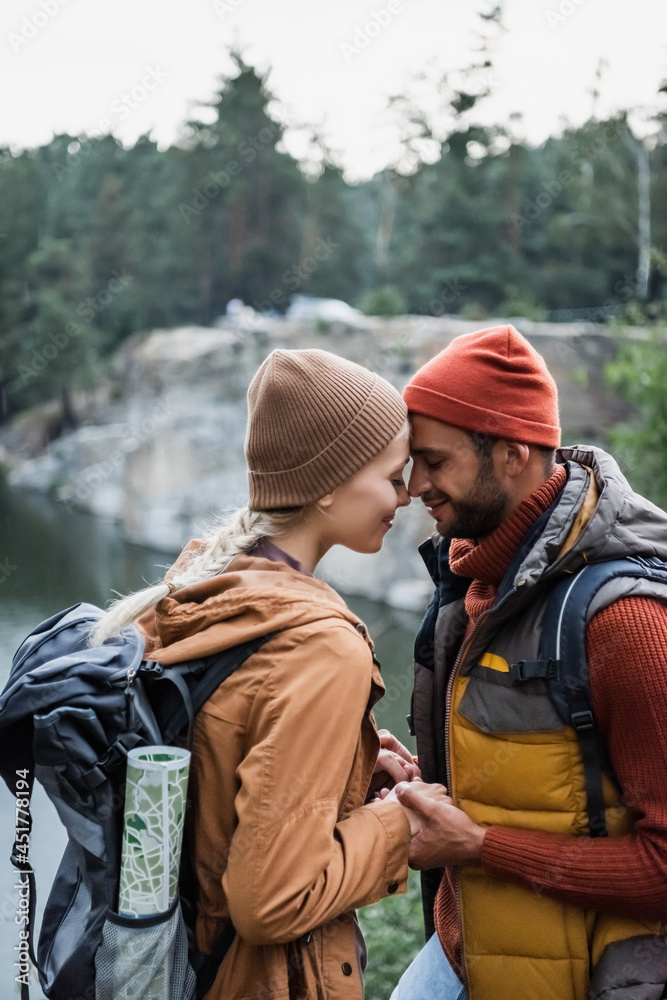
403	497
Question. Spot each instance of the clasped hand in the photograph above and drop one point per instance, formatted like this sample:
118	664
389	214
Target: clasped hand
394	763
441	833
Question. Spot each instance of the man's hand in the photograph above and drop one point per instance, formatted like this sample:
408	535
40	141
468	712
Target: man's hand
414	819
447	836
394	763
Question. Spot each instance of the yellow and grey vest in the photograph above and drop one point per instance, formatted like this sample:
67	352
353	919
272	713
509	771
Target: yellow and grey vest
509	760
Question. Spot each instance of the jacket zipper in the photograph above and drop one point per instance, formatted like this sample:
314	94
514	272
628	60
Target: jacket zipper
452	677
456	878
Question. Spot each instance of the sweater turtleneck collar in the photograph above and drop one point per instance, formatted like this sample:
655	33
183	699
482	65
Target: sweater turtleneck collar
487	561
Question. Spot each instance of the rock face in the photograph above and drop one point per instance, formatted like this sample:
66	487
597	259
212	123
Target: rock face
162	449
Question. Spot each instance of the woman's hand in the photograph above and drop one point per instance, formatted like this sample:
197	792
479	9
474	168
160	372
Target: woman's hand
389	742
394	763
414	818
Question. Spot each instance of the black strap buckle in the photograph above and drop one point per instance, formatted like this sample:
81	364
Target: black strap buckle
114	756
530	670
583	721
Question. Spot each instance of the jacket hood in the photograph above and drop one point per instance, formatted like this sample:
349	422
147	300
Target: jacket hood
253	597
598	517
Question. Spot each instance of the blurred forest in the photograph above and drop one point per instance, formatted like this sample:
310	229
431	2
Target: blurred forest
98	241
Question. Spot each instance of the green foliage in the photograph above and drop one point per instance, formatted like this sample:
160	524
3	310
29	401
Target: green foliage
394	933
103	241
473	311
522	305
243	202
54	348
639	373
508	228
580	377
384	301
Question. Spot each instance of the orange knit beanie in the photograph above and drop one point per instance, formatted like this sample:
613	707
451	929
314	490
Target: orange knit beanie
314	419
491	381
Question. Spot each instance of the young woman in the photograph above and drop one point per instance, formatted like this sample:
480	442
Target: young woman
286	840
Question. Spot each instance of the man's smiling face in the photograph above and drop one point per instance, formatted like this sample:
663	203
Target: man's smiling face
458	486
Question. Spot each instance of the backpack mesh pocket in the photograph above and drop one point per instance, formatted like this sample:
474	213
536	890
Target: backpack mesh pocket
144	958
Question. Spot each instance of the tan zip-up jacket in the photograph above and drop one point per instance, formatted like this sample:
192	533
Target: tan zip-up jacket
283	754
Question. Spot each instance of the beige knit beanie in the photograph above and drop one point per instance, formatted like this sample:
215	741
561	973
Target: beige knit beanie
314	419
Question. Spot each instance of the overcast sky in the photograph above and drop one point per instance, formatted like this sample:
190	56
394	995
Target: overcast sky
133	66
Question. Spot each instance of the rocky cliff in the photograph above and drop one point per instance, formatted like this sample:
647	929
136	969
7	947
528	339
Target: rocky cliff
160	449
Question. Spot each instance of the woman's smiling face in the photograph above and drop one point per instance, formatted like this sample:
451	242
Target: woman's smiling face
360	512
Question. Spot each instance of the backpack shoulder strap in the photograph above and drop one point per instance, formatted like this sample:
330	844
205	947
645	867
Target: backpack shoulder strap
196	681
564	648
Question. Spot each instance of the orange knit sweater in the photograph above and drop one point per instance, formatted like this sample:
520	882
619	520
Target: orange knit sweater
626	645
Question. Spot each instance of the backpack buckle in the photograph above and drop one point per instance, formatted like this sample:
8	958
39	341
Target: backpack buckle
152	668
530	670
114	756
583	721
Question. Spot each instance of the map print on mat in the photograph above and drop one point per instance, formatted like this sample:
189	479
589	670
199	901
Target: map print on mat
157	780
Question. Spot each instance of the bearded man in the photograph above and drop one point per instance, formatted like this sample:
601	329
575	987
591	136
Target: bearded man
527	903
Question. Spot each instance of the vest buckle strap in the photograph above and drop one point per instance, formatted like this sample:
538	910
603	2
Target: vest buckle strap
529	670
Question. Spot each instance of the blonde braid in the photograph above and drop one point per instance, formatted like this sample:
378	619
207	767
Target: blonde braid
240	532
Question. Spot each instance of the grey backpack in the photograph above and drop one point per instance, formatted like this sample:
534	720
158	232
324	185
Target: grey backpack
69	715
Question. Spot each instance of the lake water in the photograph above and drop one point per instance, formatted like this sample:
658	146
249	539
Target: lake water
52	557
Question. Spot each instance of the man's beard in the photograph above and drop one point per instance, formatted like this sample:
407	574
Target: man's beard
482	510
